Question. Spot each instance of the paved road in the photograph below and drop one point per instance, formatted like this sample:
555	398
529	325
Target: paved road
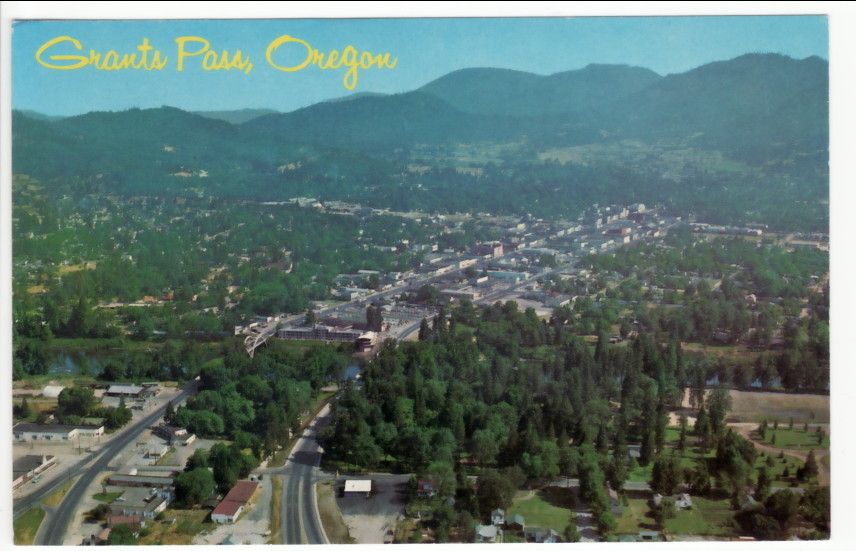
54	529
299	517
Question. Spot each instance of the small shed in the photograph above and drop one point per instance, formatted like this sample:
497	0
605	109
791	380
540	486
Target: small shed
353	487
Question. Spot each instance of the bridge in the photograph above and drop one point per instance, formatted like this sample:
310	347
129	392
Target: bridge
256	339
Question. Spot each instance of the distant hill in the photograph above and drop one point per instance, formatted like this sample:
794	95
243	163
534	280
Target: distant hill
760	108
763	102
377	121
507	92
356	95
35	115
238	116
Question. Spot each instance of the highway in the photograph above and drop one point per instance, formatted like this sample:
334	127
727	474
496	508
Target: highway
55	526
299	516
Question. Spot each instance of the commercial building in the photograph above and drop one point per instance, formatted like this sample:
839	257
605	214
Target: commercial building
28	432
145	503
228	510
319	333
355	487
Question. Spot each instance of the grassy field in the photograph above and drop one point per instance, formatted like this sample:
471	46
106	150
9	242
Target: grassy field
188	523
707	518
56	498
546	508
108	497
755	406
331	516
276	510
795	438
26	526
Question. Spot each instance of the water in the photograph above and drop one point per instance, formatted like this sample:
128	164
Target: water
75	363
351	372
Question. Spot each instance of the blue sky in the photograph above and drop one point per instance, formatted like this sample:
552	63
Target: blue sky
425	48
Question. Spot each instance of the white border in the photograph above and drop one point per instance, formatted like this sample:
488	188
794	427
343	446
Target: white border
842	27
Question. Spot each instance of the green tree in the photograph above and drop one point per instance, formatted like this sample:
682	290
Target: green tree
75	401
194	487
121	534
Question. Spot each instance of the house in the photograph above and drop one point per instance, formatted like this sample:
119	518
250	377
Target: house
649	535
497	517
354	487
52	391
28	467
748	503
681	501
516	523
425	489
228	510
535	534
488	533
136	522
684	501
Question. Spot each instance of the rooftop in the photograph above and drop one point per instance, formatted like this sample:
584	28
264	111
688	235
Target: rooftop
358	486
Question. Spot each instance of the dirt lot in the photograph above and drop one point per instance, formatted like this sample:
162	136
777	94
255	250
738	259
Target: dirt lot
755	406
369	518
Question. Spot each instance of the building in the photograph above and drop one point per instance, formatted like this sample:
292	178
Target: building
535	534
319	332
228	510
497	517
488	533
125	391
163	483
29	432
136	522
465	293
28	467
156	451
355	487
52	391
426	489
491	249
517	522
174	434
144	503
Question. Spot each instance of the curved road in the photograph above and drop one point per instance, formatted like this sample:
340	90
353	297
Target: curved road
55	527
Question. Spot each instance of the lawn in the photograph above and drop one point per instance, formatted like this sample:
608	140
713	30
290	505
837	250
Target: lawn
56	498
108	497
26	526
795	438
187	524
633	518
331	516
276	510
708	517
546	508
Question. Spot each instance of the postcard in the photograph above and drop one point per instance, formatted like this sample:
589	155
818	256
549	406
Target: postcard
419	280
